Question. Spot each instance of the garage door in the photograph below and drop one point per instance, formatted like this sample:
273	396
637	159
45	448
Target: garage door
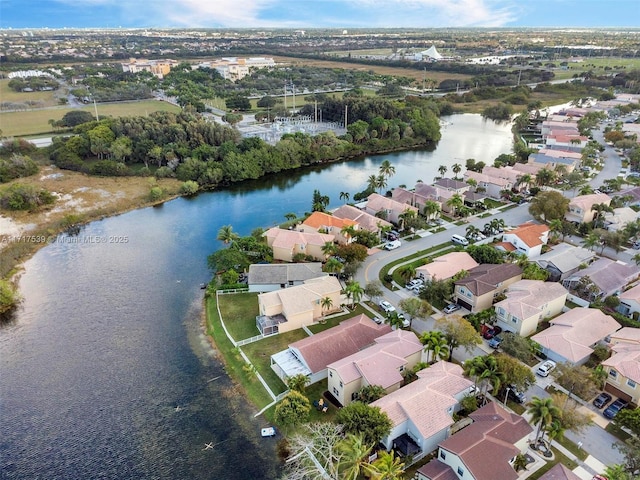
464	304
617	392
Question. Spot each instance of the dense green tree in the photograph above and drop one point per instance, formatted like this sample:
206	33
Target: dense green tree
298	382
548	206
9	297
359	418
485	254
293	409
370	393
458	332
629	418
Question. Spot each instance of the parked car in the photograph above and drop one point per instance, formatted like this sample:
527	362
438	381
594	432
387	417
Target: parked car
460	240
452	307
601	400
516	394
612	410
386	307
415	283
495	341
392	245
492	332
405	322
546	368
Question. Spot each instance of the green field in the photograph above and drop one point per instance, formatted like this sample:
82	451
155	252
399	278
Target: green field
43	99
33	122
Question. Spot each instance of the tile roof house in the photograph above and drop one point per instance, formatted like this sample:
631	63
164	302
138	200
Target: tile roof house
631	195
619	218
626	335
266	277
311	355
528	302
492	185
623	372
455	186
476	291
446	266
288	243
484	450
564	260
580	207
422	412
527	238
572	336
365	220
609	277
421	194
380	364
559	472
320	222
294	307
391	209
630	302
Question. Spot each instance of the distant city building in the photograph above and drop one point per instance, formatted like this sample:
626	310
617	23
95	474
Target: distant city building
159	68
234	68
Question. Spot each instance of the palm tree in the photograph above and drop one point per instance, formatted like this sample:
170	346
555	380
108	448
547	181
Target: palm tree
326	304
407	215
456	169
555	226
489	373
407	272
344	196
586	189
524	179
554	430
348	231
455	202
227	235
591	241
372	182
382	182
298	382
333	265
435	342
543	412
442	169
386	169
354	455
430	209
329	248
387	467
598	217
545	177
354	292
472	232
520	463
290	216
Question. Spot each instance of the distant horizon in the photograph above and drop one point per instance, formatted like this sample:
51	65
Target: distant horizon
317	14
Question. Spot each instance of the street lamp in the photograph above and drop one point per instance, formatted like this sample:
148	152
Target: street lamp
505	396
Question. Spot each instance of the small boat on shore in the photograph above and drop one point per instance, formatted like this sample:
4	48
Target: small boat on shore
268	432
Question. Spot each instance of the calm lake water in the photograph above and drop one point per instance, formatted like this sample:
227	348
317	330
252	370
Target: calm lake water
108	340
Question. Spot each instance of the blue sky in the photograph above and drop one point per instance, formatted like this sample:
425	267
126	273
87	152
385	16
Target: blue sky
318	13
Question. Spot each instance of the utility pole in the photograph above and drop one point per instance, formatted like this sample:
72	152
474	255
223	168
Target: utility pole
293	89
315	112
345	116
285	95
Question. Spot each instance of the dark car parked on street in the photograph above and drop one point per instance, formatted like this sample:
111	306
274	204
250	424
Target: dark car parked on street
601	400
612	410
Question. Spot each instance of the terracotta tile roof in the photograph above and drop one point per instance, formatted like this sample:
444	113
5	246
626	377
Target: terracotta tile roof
530	168
559	472
526	298
338	342
486	277
448	265
626	335
483	178
572	334
626	360
379	364
321	219
436	470
290	238
362	218
585	202
301	298
631	294
491	436
531	234
506	246
560	153
426	402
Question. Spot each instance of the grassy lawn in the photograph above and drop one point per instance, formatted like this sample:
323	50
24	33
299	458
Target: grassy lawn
332	322
572	447
420	258
422	253
617	432
491	203
37	121
239	314
559	458
235	365
44	99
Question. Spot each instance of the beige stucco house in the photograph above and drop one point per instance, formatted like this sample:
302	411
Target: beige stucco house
446	266
380	364
387	208
529	302
365	220
320	222
422	412
476	291
290	308
492	185
288	243
580	207
623	372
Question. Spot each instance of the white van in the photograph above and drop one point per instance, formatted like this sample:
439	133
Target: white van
460	240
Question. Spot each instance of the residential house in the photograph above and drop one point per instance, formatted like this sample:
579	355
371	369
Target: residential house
311	355
320	222
476	291
626	335
421	413
566	140
294	307
507	172
551	159
619	218
286	244
491	185
630	302
446	266
452	185
387	208
380	364
572	336
267	277
580	207
364	220
602	278
623	372
485	450
631	196
559	472
421	194
529	302
527	239
564	260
